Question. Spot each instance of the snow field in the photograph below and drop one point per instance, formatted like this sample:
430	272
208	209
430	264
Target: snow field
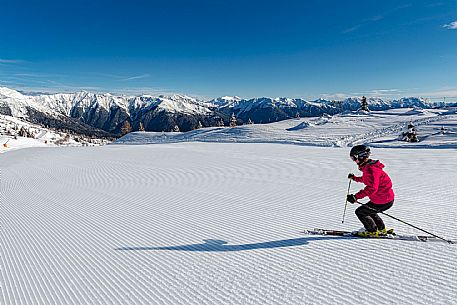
377	128
202	223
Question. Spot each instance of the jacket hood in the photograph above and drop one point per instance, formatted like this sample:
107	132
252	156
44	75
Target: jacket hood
372	163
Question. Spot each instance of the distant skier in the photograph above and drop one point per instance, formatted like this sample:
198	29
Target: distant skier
378	189
410	135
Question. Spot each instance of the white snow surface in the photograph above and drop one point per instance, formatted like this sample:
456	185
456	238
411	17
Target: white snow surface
221	223
43	137
377	128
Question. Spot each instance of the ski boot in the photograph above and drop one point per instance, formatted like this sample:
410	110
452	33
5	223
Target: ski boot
385	232
368	233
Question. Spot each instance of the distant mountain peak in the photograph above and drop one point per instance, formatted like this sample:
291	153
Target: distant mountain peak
7	92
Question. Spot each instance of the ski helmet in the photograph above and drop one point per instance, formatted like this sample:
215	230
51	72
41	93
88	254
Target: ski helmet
359	152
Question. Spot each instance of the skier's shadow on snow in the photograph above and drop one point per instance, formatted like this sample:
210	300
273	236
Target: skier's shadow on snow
216	245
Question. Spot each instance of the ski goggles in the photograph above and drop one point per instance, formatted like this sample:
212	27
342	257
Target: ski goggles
359	156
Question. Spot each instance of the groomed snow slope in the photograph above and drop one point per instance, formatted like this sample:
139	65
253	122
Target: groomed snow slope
208	223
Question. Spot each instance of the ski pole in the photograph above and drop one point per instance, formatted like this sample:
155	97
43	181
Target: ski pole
346	204
402	221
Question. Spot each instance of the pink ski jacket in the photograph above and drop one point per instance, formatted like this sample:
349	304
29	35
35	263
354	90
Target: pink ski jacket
378	184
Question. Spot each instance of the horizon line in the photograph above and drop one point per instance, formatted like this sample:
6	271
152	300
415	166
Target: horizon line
157	93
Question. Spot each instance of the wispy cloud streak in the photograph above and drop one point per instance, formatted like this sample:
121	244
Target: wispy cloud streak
376	93
351	29
451	26
375	18
441	93
10	61
135	77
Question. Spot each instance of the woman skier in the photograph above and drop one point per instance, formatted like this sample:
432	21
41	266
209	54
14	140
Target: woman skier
378	188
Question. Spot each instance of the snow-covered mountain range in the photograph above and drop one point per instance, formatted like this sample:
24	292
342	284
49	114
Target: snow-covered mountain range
104	114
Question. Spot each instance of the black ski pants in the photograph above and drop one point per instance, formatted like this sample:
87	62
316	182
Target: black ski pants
368	215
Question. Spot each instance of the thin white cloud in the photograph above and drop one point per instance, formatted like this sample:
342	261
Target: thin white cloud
334	96
386	90
145	91
6	81
436	4
363	23
37	75
377	18
383	93
450	93
351	29
10	61
374	93
451	26
401	7
49	86
135	77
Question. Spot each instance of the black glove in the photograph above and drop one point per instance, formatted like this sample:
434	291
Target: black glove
351	176
351	198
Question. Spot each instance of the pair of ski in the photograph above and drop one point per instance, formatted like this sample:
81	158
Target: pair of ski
390	235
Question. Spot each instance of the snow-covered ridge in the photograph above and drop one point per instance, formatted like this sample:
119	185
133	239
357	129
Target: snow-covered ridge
9	93
18	134
182	104
157	113
63	102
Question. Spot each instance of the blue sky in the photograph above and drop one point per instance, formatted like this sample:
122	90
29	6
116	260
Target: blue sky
210	48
